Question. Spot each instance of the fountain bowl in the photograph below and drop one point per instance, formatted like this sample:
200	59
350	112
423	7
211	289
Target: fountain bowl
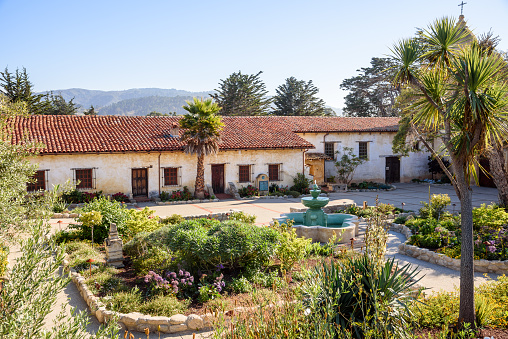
315	203
343	226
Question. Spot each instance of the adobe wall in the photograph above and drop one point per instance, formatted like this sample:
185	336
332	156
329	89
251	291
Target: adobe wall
113	171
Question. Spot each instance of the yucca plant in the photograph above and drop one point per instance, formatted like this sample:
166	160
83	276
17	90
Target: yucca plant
363	299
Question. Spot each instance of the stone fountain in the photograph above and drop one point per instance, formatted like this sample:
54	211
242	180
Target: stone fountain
318	225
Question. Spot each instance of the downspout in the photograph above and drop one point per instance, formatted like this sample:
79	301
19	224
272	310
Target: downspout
159	161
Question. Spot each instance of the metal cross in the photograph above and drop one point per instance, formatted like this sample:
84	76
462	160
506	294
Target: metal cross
462	6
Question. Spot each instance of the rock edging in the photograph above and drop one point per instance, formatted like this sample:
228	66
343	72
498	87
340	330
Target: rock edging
482	266
135	321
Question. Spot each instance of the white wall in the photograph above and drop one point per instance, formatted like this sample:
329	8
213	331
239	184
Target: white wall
113	171
379	147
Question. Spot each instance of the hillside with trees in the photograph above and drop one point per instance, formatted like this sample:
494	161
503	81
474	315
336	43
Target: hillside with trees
146	105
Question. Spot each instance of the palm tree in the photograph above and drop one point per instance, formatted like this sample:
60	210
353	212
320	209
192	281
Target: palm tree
202	127
461	99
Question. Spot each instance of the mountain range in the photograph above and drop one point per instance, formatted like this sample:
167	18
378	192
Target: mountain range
136	101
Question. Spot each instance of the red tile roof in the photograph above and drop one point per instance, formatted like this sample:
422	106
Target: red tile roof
92	134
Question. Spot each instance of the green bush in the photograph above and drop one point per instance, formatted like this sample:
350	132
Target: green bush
301	184
157	259
79	252
491	217
248	191
230	243
125	302
437	206
111	211
291	249
400	220
104	281
355	294
206	243
431	241
243	217
141	221
294	194
240	285
164	306
173	219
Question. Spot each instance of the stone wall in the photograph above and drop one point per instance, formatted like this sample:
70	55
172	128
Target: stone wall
483	266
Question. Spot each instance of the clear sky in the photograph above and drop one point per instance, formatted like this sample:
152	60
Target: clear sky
191	45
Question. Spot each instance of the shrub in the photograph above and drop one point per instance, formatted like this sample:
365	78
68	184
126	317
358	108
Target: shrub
155	258
294	194
111	211
242	216
240	285
248	191
172	219
179	195
492	217
105	282
141	221
89	220
355	294
231	243
73	197
165	306
301	184
385	209
346	165
59	206
291	249
125	302
401	220
120	197
79	252
438	204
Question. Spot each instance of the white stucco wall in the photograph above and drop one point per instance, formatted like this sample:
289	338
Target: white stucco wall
113	171
379	147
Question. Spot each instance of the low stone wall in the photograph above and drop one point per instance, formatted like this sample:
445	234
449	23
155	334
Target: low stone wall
483	266
136	321
219	216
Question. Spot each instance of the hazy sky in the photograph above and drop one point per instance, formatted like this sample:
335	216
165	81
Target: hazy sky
191	45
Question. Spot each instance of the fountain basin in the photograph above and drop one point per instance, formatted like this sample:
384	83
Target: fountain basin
315	203
344	226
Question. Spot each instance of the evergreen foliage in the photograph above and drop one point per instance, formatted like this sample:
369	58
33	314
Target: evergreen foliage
371	92
297	97
242	94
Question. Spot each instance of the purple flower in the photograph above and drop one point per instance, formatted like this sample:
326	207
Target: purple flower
491	249
180	273
182	281
220	267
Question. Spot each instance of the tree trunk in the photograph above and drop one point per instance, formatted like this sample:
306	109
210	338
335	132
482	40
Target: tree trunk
199	188
467	309
499	174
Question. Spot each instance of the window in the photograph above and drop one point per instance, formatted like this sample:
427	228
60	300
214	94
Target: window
416	146
274	172
39	182
329	149
362	150
85	176
171	176
243	173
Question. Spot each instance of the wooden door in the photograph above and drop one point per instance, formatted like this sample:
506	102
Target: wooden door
484	179
218	178
139	182
392	169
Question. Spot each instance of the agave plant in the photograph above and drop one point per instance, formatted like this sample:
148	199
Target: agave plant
363	299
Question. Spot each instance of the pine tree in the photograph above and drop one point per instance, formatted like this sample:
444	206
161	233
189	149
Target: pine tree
242	94
297	97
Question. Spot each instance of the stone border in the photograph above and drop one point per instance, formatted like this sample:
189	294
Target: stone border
135	321
183	202
482	266
393	188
